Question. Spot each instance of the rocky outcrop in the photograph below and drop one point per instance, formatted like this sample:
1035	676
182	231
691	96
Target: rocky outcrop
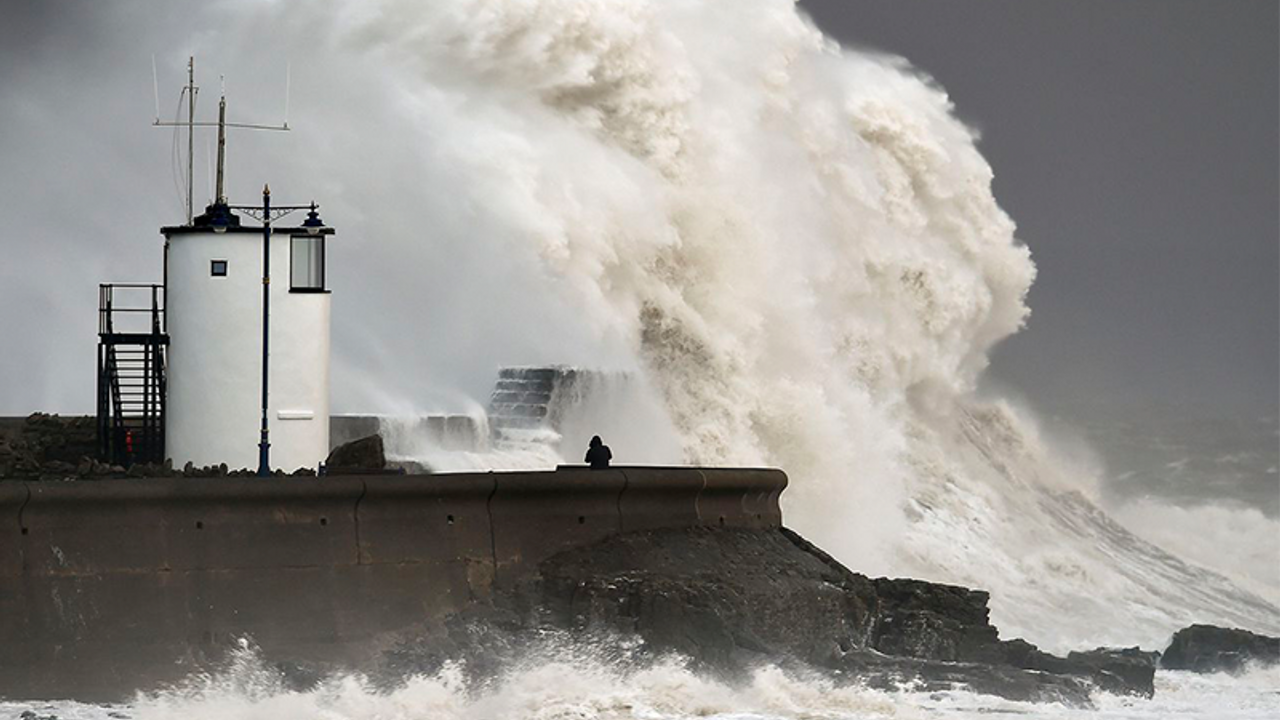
733	599
1208	649
44	446
54	447
357	457
1120	670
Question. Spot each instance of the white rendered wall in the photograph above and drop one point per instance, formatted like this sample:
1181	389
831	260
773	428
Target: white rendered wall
215	356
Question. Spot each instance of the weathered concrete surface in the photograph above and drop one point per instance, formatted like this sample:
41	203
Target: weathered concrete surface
116	585
447	432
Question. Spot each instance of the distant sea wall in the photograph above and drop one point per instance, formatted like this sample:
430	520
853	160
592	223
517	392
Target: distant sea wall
118	585
446	432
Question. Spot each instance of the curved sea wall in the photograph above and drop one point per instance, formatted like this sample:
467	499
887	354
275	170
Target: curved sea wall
117	585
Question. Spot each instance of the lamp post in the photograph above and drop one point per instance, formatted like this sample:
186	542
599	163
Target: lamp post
264	445
312	226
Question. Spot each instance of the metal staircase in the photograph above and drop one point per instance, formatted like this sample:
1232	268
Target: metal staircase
131	373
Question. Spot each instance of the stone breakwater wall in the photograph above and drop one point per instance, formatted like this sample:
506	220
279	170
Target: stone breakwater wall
113	586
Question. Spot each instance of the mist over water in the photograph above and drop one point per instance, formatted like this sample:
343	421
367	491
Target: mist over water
569	683
796	246
793	248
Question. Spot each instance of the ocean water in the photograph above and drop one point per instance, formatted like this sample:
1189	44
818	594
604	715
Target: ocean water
796	248
560	690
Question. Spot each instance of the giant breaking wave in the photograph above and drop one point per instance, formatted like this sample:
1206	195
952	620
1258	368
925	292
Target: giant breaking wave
796	244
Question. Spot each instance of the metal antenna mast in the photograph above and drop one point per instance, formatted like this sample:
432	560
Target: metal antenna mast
218	196
221	124
191	132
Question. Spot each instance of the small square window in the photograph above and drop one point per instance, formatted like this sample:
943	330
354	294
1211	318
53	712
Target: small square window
218	268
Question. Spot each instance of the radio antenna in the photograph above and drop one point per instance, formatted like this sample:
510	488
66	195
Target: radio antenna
155	85
192	90
288	81
208	164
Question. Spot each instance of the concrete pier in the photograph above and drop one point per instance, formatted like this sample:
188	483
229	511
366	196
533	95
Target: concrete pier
119	585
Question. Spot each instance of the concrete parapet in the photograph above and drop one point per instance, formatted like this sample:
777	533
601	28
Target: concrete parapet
658	497
741	497
116	585
537	514
168	524
434	533
13	498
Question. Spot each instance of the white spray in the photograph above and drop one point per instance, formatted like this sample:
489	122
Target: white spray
796	245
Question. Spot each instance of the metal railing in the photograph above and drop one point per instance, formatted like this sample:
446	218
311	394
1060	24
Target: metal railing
137	304
131	373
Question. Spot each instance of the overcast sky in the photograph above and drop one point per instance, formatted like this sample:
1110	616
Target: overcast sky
1134	143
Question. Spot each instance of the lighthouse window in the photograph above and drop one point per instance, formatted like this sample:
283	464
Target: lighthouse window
306	262
218	268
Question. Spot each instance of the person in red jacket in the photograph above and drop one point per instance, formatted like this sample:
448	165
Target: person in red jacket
598	455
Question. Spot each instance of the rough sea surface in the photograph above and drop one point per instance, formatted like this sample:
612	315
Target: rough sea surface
575	691
796	247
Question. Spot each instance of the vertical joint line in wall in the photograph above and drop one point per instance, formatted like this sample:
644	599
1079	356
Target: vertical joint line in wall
493	541
698	499
22	523
355	518
626	484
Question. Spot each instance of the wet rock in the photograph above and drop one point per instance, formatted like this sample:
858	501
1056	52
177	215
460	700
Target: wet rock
364	455
1120	670
409	467
1209	649
731	600
933	621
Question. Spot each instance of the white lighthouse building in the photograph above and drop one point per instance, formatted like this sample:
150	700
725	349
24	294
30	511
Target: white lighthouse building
214	305
227	361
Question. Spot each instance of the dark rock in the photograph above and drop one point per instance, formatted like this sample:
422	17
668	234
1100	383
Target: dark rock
1120	670
1209	649
59	469
409	467
937	622
731	600
363	455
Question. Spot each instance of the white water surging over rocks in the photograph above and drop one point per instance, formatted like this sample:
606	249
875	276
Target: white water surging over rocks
799	248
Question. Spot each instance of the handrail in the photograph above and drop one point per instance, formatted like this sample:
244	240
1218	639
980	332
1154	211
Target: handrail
107	305
126	402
